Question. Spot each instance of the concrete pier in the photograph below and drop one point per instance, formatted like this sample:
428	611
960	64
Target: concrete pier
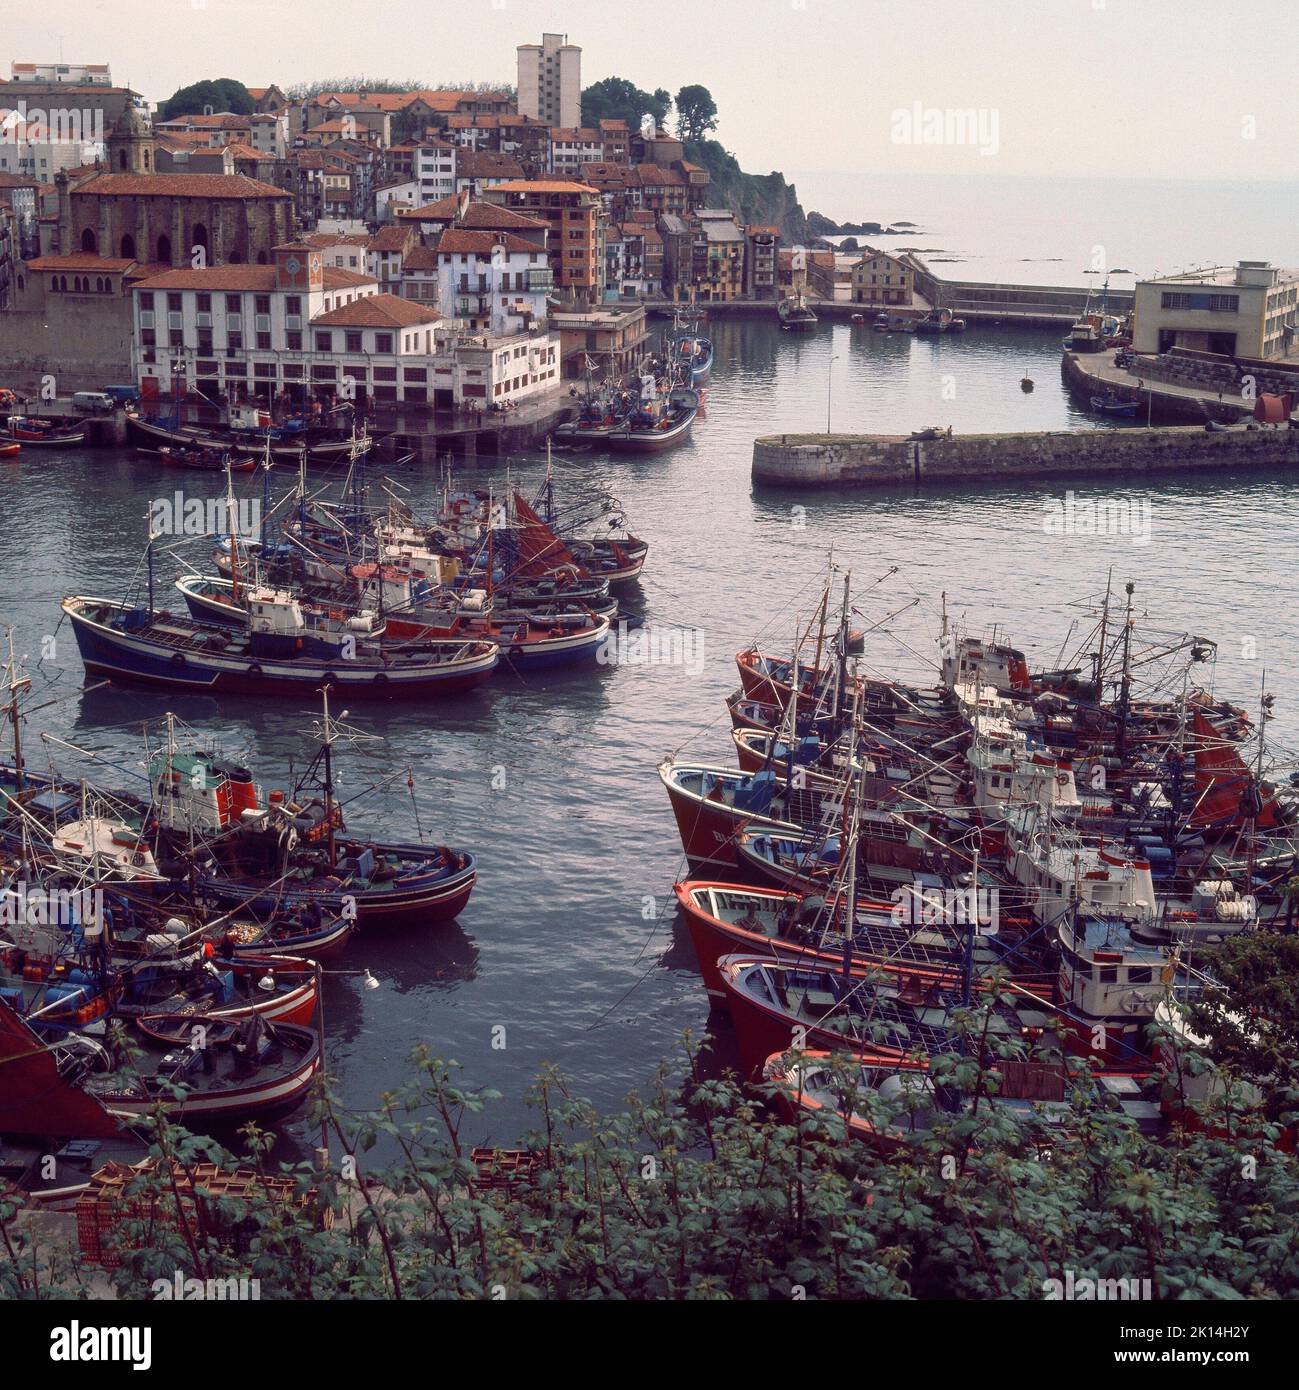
808	461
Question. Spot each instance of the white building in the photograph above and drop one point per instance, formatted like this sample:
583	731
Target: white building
302	329
74	74
1250	309
492	280
434	170
550	81
268	134
32	148
570	149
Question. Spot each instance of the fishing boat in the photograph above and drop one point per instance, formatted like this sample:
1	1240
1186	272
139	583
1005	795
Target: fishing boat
279	989
293	854
892	1106
808	928
9	450
657	423
691	356
206	458
78	1087
774	1003
287	444
794	315
562	634
939	321
280	650
215	1075
1113	405
43	434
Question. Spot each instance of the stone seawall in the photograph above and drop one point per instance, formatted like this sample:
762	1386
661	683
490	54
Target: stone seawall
809	460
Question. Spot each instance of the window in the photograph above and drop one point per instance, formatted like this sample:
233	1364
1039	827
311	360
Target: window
324	341
352	341
294	341
173	303
202	303
233	305
146	299
263	303
383	342
293	304
234	340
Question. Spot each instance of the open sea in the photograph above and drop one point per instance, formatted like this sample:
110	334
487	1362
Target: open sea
1051	231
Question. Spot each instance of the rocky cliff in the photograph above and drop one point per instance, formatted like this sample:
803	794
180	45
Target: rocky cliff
754	198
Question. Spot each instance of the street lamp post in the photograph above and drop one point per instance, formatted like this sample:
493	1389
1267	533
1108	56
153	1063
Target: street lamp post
829	387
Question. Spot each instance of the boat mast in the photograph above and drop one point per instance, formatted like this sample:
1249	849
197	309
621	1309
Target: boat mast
1105	618
329	778
16	686
230	523
1125	687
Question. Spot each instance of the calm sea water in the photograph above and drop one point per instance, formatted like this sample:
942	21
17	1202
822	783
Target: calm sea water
576	844
1046	231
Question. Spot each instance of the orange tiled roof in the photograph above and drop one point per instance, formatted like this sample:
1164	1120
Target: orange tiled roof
377	311
543	186
179	186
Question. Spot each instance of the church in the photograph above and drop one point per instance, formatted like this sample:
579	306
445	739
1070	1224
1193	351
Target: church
130	212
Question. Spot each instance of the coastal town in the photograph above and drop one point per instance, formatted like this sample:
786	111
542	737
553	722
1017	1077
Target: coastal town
573	729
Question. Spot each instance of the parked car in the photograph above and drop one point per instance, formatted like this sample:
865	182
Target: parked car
91	401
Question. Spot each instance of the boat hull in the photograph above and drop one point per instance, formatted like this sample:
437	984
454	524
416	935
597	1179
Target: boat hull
126	659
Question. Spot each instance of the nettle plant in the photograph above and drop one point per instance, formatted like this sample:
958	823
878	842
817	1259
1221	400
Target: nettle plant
695	1189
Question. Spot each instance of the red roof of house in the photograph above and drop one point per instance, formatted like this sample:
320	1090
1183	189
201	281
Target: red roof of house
420	258
389	239
80	260
377	311
179	186
473	164
460	241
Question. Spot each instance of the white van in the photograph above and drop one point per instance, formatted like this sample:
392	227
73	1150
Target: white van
92	401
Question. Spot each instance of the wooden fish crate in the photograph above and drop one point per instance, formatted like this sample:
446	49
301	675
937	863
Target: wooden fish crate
505	1170
105	1209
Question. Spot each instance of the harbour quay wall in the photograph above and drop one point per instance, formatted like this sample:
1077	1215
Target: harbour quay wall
816	461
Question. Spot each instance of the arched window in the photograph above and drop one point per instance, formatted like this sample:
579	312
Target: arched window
121	159
164	249
236	258
199	237
128	247
261	258
146	157
89	243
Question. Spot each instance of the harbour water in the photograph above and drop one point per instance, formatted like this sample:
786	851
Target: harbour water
569	950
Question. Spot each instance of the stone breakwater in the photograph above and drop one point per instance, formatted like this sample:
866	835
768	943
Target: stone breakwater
840	460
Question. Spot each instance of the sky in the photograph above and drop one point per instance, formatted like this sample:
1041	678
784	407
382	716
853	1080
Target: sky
1181	89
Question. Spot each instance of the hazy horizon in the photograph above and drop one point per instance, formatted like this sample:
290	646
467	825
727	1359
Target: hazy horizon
1092	88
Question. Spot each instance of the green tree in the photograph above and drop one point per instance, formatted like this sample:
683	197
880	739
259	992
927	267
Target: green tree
219	94
696	112
616	99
